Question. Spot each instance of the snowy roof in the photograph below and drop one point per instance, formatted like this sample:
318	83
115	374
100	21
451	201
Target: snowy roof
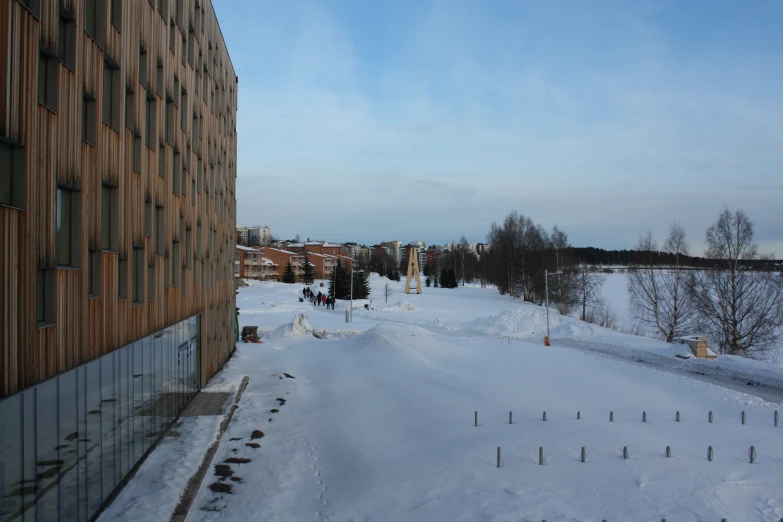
283	251
246	249
268	262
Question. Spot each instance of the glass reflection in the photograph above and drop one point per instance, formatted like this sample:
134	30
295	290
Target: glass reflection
66	443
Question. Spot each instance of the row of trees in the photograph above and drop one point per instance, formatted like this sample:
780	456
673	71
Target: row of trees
740	309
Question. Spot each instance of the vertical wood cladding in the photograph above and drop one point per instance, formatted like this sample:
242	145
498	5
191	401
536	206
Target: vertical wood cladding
130	106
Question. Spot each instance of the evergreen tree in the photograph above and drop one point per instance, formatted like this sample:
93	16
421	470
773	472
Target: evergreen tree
452	279
361	285
309	271
289	276
340	285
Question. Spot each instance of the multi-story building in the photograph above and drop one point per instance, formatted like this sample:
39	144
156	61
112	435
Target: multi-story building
258	236
320	247
117	231
250	264
395	247
282	257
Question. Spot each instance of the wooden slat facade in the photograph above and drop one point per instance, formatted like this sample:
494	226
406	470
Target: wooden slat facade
184	38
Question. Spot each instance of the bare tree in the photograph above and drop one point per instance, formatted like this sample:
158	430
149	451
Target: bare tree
589	284
565	286
464	249
387	291
740	308
658	297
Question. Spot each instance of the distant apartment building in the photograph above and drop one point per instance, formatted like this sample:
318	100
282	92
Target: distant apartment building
254	236
395	248
378	251
319	247
118	152
251	264
282	257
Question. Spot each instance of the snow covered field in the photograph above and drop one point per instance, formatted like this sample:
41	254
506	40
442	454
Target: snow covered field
377	421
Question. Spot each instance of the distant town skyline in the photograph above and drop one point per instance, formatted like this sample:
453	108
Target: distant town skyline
435	118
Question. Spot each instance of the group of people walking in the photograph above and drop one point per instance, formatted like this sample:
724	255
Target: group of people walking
319	298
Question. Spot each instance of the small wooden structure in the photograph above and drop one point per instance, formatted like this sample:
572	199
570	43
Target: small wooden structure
250	334
698	345
413	271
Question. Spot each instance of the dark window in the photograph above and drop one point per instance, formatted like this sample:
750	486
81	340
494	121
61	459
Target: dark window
189	248
151	282
12	174
160	220
137	283
170	113
130	108
47	79
94	273
112	89
148	210
109	218
151	127
163	9
122	279
94	19
137	153
67	39
45	304
183	110
173	36
143	67
34	6
176	264
116	13
159	79
88	119
177	168
162	151
65	232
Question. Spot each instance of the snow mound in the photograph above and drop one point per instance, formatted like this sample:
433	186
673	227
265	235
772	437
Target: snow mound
521	323
401	305
299	326
390	335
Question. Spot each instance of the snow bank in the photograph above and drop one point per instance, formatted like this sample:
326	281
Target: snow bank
400	305
299	326
390	335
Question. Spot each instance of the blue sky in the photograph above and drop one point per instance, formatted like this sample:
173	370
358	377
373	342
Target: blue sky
424	120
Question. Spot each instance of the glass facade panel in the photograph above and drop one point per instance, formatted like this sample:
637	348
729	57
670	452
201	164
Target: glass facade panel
108	416
93	435
66	443
138	400
11	462
48	463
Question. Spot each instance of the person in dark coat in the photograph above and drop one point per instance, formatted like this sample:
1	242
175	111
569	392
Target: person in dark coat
318	298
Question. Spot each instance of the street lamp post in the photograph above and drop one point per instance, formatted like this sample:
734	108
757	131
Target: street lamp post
546	290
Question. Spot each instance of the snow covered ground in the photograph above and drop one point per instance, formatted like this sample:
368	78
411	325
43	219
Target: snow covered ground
376	420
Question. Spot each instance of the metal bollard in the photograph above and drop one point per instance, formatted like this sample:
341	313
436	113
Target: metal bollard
584	454
475	418
540	456
625	452
579	416
709	417
346	316
644	416
611	416
509	418
775	417
709	453
742	417
668	452
498	465
677	417
752	454
544	418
